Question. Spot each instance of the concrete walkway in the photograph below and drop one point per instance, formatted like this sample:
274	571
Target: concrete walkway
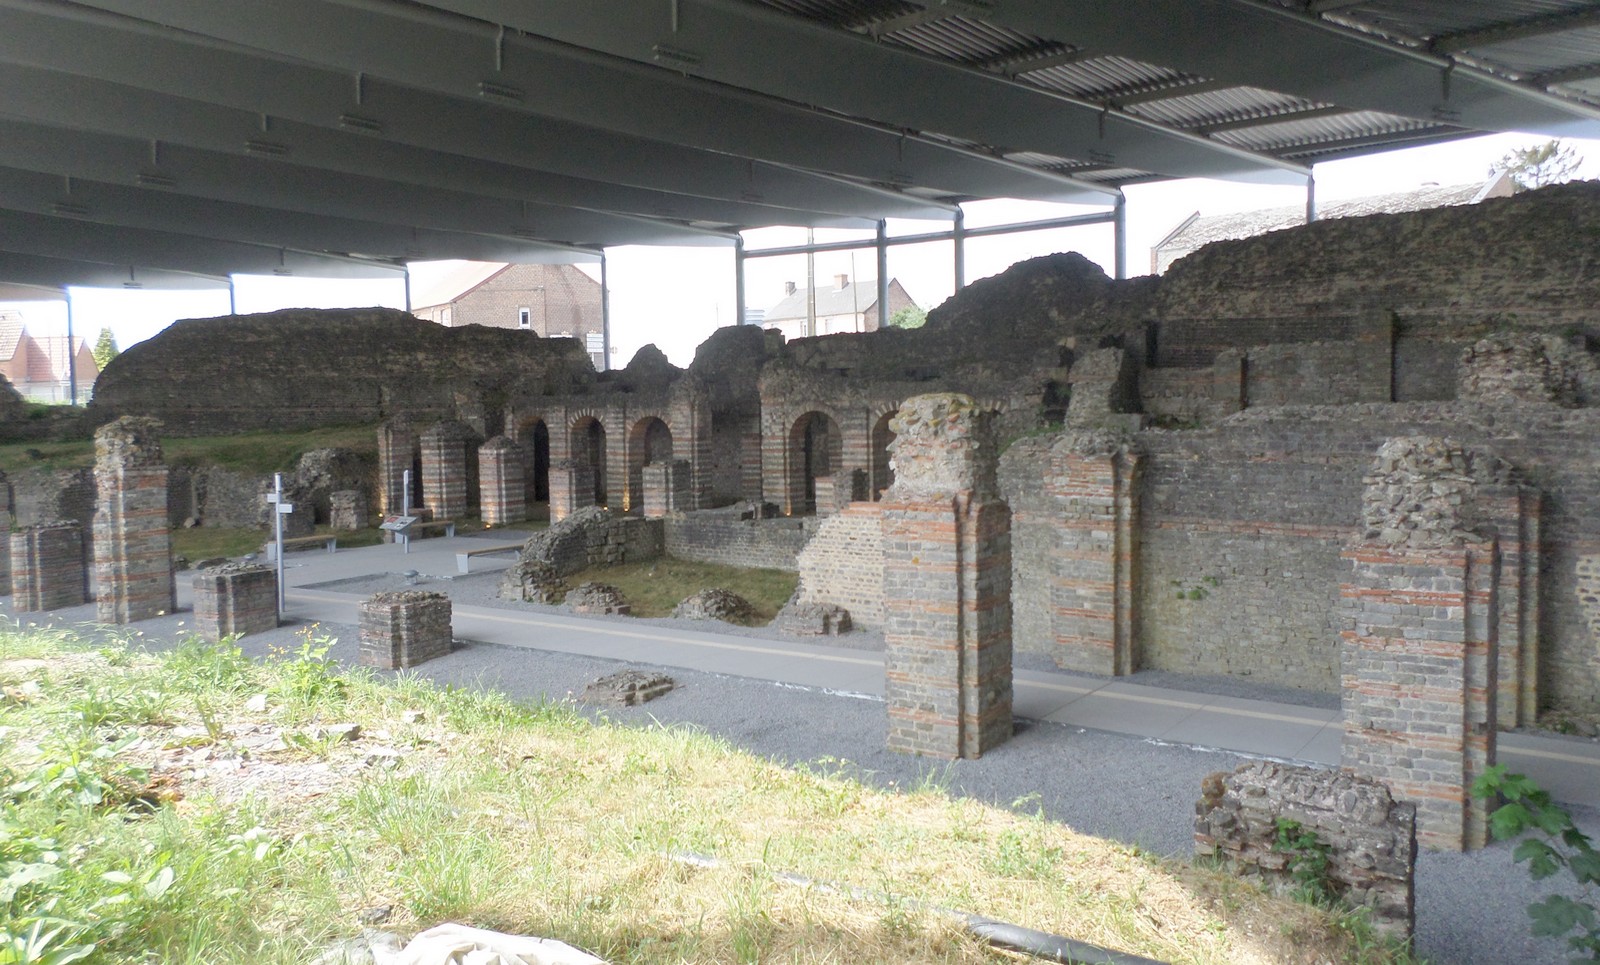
1569	769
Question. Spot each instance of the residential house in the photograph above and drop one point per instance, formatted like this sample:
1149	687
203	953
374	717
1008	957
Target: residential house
841	307
548	300
1199	230
38	366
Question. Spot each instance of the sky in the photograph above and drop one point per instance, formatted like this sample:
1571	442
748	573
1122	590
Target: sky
675	297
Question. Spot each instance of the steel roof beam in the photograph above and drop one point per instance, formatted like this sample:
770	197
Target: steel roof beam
47	96
249	180
1267	120
64	238
1515	30
1566	75
427	49
57	273
44	36
753	47
132	207
1257	43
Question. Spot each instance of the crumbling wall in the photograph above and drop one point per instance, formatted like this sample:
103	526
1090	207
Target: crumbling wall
737	536
594	537
1370	839
301	368
843	564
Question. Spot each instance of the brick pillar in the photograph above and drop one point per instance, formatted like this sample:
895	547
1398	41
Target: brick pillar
404	628
504	489
132	541
235	598
571	489
47	571
444	469
1094	553
397	446
5	567
1418	651
667	487
947	583
347	510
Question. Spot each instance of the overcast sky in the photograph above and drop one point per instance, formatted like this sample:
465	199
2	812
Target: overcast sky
675	297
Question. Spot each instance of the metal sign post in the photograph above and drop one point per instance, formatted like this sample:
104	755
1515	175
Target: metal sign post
280	509
405	509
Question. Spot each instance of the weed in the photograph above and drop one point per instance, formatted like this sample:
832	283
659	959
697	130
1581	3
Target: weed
1308	862
1550	842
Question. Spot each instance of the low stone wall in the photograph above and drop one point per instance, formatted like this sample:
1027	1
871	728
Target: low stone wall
722	536
843	564
235	598
402	629
594	537
1370	839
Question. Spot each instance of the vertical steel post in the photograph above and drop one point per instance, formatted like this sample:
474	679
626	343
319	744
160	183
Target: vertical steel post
277	532
72	356
883	274
1311	198
738	279
605	317
407	278
959	234
233	297
405	508
1119	231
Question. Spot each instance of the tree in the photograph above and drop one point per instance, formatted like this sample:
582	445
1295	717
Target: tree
105	349
1540	165
909	317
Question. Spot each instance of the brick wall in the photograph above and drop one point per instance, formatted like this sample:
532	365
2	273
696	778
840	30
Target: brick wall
560	299
843	564
721	536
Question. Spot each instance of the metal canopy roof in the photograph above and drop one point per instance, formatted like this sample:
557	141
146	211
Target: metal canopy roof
347	136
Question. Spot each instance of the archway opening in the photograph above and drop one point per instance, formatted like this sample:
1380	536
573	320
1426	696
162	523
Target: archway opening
816	449
882	469
589	452
534	437
649	441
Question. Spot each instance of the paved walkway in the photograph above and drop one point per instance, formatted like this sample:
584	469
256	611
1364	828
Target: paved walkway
1569	769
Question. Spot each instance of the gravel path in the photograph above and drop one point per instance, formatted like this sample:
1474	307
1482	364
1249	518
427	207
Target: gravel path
1469	907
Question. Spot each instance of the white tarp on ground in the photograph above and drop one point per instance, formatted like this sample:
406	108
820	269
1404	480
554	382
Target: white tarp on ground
452	944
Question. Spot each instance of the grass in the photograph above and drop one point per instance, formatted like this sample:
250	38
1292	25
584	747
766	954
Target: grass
655	587
249	452
137	817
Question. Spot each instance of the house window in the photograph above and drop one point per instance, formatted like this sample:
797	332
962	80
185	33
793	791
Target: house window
524	318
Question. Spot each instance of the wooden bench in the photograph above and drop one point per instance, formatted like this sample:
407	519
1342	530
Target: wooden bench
464	560
448	525
300	542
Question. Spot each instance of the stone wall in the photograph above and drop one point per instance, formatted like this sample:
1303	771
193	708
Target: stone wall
737	536
301	368
843	564
594	537
1371	839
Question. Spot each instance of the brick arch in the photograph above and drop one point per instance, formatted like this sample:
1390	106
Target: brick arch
586	446
650	439
814	447
533	434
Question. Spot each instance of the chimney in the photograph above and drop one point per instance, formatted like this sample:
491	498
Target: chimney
788	288
841	282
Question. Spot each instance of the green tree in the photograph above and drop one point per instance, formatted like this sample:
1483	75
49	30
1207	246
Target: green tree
105	349
909	317
1540	165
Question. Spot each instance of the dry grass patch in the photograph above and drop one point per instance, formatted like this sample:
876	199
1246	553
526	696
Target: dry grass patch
466	806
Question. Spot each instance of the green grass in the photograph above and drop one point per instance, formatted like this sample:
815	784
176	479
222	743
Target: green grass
250	452
531	819
655	587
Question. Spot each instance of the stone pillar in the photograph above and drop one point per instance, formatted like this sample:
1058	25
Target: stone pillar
132	541
404	628
5	567
235	599
347	510
1094	552
947	583
666	487
47	571
571	488
1419	645
444	469
397	445
504	489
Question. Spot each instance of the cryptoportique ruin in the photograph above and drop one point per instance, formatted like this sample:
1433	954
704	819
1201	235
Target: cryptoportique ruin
1359	457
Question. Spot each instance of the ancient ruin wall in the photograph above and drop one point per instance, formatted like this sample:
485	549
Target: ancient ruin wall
301	368
843	564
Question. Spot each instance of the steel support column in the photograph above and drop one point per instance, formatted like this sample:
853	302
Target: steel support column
72	356
883	274
407	279
1119	231
605	317
738	280
1311	198
958	234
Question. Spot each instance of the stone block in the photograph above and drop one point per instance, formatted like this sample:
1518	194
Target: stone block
347	510
404	628
47	571
235	599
